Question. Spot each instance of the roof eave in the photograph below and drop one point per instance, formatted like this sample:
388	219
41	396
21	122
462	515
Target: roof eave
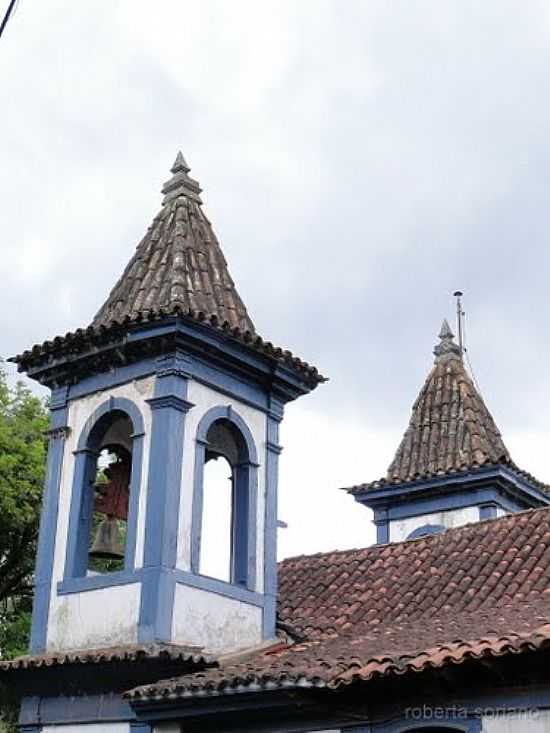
76	355
509	475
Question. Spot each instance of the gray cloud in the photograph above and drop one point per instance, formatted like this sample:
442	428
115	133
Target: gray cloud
360	161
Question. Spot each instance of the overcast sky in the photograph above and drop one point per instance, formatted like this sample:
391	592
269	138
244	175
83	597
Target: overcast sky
360	161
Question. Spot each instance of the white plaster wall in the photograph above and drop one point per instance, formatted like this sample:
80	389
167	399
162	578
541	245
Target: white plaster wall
401	528
528	721
95	618
88	728
70	619
217	623
204	398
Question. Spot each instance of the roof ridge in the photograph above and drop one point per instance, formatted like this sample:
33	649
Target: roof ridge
466	594
440	536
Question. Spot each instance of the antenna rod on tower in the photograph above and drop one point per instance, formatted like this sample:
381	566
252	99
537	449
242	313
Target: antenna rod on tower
459	316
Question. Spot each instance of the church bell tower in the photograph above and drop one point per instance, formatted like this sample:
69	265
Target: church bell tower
170	377
451	467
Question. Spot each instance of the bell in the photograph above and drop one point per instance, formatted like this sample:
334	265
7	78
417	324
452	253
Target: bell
107	545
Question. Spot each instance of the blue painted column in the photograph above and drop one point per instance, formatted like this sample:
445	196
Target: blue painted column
169	406
80	513
487	511
382	524
48	520
273	451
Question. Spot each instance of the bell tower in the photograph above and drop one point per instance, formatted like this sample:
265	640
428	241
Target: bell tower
451	467
169	378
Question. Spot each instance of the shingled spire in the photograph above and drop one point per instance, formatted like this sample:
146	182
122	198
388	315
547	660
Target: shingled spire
450	427
178	265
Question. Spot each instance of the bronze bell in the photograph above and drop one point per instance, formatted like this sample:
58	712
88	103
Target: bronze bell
107	545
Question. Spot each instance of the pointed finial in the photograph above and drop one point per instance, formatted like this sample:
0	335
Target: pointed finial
180	164
446	347
181	184
446	331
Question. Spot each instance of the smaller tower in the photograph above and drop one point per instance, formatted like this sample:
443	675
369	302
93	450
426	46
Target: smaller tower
452	466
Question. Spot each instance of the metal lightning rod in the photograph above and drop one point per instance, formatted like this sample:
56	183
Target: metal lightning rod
459	319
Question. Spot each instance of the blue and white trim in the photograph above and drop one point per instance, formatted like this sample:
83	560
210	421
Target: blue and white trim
170	406
48	521
449	501
273	451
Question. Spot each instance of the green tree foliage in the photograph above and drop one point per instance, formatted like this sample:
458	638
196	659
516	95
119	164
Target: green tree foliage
23	425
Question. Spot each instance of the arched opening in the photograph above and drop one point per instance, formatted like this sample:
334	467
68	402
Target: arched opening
98	529
425	530
106	497
224	496
217	512
111	495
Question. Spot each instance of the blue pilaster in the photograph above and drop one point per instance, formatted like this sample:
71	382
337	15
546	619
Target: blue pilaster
382	532
488	511
169	406
273	451
80	515
48	521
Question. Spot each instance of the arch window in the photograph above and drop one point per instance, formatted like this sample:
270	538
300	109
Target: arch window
104	502
224	511
217	514
425	530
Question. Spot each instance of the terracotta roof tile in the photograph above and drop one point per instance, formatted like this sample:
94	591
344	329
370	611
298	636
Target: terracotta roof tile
179	263
399	608
450	431
389	651
126	653
450	427
80	341
178	271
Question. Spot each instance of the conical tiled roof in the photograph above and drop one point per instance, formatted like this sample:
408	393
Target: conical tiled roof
450	427
178	265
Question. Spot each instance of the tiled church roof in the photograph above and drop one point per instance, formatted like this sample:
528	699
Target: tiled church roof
450	426
476	591
178	264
